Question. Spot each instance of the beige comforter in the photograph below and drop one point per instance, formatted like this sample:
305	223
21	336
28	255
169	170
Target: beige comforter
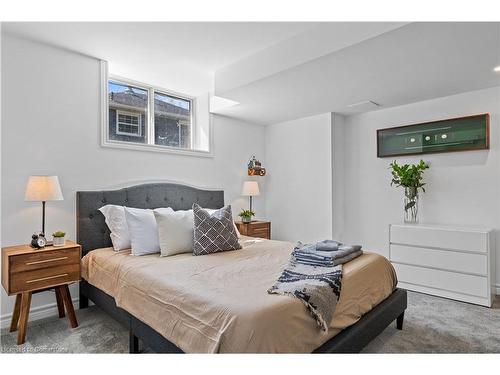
219	302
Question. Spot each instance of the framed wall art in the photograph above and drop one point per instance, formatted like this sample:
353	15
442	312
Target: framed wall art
456	134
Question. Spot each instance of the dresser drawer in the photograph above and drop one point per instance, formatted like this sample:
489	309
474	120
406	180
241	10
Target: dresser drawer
442	259
444	280
44	259
474	241
44	278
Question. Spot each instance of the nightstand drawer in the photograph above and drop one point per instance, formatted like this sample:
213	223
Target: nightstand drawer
259	231
260	234
45	259
259	226
44	278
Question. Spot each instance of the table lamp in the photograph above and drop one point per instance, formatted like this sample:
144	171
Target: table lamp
250	189
42	189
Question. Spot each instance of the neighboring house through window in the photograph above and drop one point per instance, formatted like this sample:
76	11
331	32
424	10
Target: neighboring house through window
128	123
141	114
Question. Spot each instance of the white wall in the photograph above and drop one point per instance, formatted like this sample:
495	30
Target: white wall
50	125
462	187
338	171
299	182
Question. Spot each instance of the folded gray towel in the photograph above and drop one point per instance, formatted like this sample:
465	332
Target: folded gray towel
340	248
347	258
327	252
327	245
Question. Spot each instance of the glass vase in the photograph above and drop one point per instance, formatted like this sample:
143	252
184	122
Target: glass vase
411	205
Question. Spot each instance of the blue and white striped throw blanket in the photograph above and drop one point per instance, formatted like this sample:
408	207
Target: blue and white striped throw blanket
314	276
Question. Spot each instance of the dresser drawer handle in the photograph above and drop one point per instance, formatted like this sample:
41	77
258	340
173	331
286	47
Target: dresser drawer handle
46	278
46	261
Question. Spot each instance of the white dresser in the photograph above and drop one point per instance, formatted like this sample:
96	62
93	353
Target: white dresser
451	262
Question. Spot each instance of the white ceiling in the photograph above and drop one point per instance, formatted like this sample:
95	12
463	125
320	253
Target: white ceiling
321	40
179	56
416	62
281	71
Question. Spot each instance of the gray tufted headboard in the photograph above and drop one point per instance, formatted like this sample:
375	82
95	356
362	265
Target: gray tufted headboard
93	233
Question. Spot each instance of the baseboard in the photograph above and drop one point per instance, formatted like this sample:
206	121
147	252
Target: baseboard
497	287
37	313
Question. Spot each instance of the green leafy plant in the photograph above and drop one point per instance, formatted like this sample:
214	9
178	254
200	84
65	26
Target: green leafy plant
409	176
246	214
58	234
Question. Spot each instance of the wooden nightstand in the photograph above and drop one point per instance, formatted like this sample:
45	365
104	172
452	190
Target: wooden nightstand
255	228
26	270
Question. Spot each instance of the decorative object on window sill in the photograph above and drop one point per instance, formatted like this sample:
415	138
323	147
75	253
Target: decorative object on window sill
456	134
250	189
409	176
255	167
246	216
59	238
42	189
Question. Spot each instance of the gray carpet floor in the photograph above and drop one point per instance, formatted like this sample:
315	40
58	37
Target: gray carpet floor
432	325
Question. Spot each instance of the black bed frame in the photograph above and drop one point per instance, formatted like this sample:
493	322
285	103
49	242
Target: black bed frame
93	233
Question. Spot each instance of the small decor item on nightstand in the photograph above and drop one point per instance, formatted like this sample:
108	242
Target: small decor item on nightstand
246	216
59	239
409	176
38	240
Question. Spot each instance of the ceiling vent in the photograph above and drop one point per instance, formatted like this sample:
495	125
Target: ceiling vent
367	105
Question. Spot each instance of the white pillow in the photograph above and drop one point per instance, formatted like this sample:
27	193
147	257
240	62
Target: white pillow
143	230
175	231
114	217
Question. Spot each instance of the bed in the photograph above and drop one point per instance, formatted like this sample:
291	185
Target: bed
218	303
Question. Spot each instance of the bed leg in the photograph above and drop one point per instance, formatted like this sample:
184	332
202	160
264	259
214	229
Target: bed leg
133	343
83	301
399	321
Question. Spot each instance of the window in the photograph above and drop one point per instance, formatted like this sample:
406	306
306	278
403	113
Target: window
172	121
128	123
128	112
140	114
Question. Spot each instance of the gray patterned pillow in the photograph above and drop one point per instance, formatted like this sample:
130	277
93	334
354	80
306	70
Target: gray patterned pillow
215	232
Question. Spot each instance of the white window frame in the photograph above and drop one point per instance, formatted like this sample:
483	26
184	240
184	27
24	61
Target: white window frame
133	114
149	145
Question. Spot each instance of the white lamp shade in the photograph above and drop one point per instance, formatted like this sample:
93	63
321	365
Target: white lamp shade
250	188
43	188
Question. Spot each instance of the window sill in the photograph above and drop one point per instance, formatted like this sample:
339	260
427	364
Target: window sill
155	148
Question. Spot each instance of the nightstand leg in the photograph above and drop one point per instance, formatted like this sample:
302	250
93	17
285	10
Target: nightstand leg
60	303
66	297
23	319
15	314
